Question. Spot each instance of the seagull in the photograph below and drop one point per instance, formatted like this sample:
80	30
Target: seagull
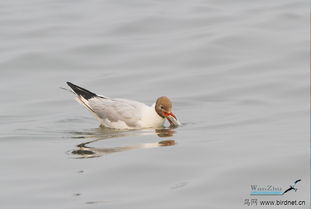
119	113
292	187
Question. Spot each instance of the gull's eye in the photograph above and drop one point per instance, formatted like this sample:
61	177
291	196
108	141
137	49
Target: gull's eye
161	106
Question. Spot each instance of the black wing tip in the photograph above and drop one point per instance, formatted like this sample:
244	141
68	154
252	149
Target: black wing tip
297	181
86	94
72	85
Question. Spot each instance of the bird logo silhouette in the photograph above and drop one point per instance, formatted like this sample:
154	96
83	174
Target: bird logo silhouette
292	187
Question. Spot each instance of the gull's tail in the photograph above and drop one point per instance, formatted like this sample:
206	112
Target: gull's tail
83	97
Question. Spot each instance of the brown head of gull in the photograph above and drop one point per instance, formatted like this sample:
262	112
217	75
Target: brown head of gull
163	107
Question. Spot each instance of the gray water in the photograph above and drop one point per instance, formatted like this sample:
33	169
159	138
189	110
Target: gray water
236	71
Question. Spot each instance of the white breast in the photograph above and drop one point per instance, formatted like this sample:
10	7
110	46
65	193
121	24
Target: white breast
150	118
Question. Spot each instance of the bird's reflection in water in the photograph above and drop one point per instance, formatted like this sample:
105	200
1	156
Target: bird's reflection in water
84	150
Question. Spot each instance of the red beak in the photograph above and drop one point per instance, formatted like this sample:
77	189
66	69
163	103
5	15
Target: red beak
167	114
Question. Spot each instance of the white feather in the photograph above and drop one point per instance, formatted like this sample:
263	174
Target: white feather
122	113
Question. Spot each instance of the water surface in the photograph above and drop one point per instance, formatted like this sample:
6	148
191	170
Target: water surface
237	72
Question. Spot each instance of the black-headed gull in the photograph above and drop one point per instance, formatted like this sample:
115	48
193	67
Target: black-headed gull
126	114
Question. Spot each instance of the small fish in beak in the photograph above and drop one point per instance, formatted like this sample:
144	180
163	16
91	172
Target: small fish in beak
174	122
